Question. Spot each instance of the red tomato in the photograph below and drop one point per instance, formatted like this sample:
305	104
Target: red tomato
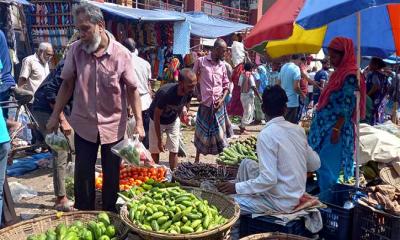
152	171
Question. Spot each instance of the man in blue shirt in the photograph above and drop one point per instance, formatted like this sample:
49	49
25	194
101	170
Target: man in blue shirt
6	79
4	150
321	77
289	78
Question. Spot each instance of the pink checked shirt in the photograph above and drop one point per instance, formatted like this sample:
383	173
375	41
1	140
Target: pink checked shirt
213	79
99	105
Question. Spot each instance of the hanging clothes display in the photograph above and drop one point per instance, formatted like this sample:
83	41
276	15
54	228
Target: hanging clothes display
13	24
153	39
51	21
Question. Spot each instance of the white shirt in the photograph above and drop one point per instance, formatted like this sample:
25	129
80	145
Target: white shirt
284	160
252	83
238	53
34	71
311	75
142	70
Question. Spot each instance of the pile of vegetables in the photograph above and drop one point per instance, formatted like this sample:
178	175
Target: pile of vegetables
173	210
202	171
101	229
134	176
144	187
238	151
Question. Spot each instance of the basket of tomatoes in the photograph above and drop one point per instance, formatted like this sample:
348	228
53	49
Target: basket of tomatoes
134	176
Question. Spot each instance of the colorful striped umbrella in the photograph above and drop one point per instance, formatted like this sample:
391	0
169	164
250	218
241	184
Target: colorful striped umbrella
305	26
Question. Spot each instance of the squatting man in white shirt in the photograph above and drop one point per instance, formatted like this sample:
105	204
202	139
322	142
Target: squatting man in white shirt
278	180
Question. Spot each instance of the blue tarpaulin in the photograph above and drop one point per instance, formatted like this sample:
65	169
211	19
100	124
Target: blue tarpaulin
24	165
181	38
136	13
201	24
207	26
23	2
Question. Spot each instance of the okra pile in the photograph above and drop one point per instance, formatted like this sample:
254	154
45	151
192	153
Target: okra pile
237	151
174	210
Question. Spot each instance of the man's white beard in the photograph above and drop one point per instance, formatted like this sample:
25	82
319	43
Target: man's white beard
43	60
92	47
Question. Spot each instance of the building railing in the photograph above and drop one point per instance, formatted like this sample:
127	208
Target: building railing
208	7
222	11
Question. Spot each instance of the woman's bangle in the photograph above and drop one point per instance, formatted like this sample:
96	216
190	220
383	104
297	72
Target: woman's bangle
336	129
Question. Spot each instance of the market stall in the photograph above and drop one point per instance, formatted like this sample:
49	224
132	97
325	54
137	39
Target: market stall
51	21
162	34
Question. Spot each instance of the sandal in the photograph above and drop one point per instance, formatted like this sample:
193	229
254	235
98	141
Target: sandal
65	207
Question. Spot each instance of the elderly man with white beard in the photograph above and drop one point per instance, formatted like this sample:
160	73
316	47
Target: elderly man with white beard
35	68
98	73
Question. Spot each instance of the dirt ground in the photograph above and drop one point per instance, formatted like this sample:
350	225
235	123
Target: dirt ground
41	180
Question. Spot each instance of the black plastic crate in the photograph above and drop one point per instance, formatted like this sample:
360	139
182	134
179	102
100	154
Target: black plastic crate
337	221
373	224
249	226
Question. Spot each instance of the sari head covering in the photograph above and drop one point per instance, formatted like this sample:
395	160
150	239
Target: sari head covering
174	64
263	77
171	70
348	66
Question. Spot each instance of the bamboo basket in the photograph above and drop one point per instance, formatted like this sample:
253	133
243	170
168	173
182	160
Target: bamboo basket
228	208
186	182
233	169
231	174
22	230
274	236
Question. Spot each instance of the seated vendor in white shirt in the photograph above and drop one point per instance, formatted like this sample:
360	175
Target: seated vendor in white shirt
277	181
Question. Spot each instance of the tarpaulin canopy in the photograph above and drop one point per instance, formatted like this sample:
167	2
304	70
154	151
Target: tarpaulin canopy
201	24
207	26
23	2
136	13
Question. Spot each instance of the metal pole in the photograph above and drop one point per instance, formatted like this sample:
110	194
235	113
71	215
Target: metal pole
357	143
396	93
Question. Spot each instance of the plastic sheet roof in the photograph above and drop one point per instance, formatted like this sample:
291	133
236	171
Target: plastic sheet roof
202	25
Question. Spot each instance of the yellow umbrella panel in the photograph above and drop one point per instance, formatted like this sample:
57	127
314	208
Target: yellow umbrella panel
301	41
